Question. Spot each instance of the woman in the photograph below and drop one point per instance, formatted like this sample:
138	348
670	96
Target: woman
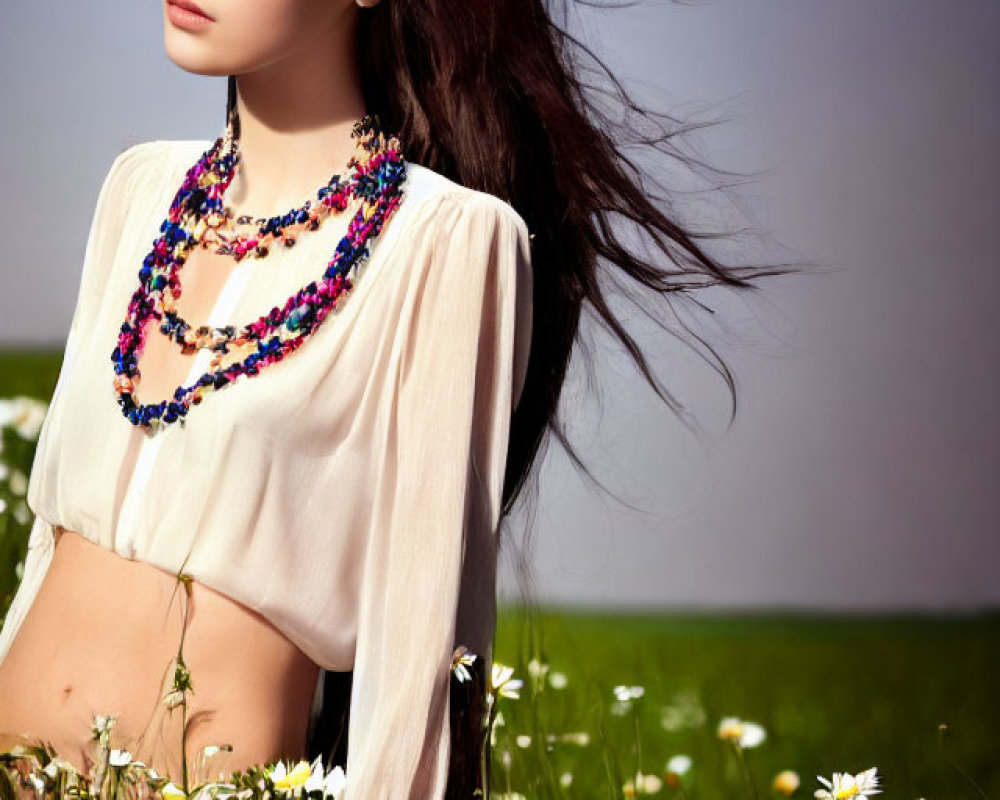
333	516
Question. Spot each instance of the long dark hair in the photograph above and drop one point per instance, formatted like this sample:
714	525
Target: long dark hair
495	96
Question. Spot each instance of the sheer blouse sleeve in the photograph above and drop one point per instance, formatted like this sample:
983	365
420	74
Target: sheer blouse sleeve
438	496
106	227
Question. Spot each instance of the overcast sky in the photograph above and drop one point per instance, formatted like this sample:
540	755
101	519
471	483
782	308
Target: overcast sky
862	468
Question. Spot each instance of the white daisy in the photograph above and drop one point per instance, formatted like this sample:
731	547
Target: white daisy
502	682
742	732
626	693
538	670
315	779
786	782
844	785
22	513
335	783
172	792
461	660
24	414
557	680
679	764
18	482
103	723
173	698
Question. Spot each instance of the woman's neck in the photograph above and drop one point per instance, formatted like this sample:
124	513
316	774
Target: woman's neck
296	118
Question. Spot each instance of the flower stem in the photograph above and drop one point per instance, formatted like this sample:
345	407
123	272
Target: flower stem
638	752
941	731
484	748
746	771
182	680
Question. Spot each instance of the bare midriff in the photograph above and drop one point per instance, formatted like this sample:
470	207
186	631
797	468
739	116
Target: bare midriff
102	637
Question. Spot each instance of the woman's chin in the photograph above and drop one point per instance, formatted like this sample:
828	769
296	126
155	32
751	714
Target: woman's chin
195	57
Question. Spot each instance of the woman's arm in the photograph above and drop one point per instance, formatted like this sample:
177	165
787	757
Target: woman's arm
106	229
440	497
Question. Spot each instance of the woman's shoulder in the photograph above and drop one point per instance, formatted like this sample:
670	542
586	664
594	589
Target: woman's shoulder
426	185
136	167
155	151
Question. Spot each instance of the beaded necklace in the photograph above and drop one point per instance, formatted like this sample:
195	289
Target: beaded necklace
197	208
270	229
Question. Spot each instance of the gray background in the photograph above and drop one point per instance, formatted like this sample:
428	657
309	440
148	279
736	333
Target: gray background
861	472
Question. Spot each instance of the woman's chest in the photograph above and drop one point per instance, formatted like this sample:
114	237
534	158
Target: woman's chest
330	388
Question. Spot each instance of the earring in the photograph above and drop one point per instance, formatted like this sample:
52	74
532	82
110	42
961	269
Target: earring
367	3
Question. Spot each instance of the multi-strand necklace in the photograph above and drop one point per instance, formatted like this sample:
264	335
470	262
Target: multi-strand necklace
196	218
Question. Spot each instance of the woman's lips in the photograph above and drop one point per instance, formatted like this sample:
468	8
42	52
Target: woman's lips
187	15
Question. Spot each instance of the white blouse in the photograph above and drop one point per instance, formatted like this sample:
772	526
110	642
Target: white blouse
349	493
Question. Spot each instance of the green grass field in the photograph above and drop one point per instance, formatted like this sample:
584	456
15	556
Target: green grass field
833	694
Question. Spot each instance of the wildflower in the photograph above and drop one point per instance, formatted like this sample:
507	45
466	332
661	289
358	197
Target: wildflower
173	698
315	779
335	783
538	670
103	723
566	779
624	696
741	732
331	784
211	791
845	785
684	712
502	682
786	782
18	482
643	784
557	680
172	792
676	767
24	414
461	661
523	740
678	764
120	758
626	693
498	721
182	676
283	779
57	765
582	738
